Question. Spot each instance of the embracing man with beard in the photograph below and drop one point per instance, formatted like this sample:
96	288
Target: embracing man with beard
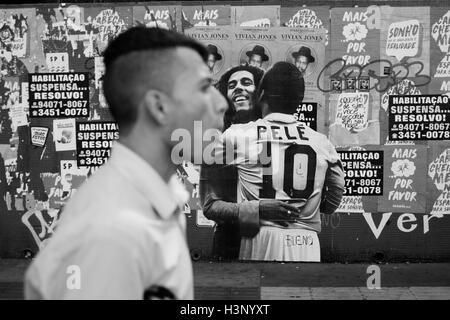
218	184
278	157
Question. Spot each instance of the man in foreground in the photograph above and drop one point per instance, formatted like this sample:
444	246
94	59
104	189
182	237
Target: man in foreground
122	236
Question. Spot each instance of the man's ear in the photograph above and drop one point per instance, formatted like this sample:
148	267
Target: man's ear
264	106
156	103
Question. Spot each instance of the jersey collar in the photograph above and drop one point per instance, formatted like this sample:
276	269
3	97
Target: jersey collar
280	117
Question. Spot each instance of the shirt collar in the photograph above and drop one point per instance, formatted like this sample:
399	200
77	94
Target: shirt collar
280	117
165	198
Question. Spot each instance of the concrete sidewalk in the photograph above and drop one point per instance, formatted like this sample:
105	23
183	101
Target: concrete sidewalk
310	281
303	281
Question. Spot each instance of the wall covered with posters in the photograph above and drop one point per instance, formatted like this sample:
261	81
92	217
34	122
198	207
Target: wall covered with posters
377	84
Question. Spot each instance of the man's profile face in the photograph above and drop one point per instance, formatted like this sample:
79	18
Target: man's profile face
241	87
193	96
302	64
211	62
255	60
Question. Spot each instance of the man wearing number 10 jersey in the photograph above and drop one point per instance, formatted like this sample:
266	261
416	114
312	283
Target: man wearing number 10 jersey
278	157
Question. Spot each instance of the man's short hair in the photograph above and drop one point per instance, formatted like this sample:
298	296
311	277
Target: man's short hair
282	87
148	50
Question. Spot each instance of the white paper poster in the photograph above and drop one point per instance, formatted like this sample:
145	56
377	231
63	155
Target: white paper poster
64	134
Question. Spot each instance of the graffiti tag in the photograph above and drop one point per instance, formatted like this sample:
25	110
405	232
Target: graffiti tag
398	72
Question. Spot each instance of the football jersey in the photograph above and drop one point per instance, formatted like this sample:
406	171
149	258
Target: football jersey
280	158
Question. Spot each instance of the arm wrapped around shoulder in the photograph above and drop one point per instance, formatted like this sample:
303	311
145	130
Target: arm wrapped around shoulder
218	198
218	201
249	218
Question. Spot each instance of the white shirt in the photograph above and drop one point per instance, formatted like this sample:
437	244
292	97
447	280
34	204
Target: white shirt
121	234
300	158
